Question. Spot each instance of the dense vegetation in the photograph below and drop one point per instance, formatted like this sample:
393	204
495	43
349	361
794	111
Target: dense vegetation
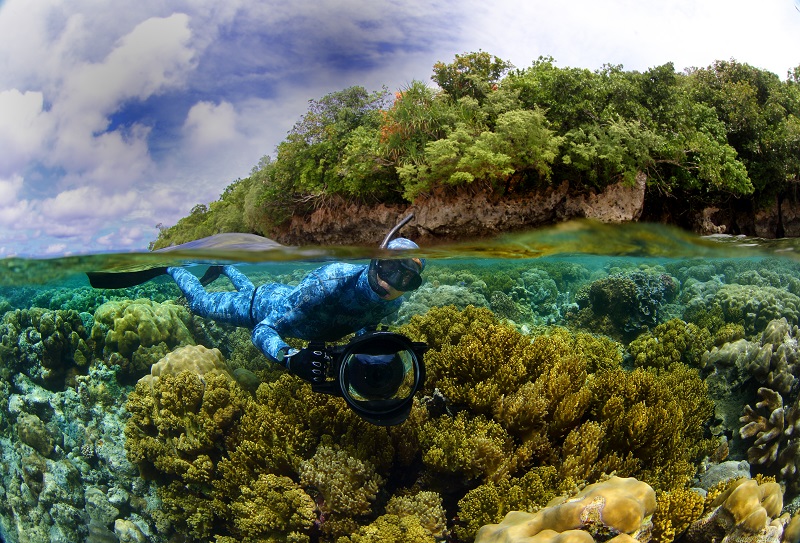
728	130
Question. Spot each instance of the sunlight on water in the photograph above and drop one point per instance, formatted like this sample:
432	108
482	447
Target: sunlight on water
577	237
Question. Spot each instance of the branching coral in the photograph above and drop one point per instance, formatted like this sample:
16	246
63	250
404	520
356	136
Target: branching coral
653	423
671	342
409	519
177	430
774	431
272	509
491	501
348	486
602	511
475	447
675	511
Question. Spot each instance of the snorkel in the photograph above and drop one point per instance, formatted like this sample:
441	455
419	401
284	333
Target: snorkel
375	264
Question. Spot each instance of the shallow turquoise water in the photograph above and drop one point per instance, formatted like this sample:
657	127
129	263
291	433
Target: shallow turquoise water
65	472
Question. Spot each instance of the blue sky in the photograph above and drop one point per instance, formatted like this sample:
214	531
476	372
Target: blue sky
114	120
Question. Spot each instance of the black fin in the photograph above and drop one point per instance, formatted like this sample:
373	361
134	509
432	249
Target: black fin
211	275
123	279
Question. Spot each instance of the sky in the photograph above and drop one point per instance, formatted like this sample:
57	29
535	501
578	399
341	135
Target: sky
114	120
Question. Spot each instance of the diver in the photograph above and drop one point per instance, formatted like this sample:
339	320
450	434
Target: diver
377	373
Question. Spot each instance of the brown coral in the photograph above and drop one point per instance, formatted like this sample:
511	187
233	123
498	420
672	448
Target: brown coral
746	512
615	507
775	427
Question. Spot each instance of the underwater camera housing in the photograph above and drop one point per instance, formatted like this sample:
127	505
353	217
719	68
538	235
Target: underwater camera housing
377	374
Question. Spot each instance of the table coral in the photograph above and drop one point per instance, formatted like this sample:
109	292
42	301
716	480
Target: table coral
136	333
602	511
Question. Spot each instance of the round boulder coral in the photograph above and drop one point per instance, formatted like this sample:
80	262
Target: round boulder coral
602	511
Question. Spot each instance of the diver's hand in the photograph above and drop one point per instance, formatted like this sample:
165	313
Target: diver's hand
310	365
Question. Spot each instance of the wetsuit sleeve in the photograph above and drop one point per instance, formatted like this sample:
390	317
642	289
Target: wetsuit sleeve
239	280
269	341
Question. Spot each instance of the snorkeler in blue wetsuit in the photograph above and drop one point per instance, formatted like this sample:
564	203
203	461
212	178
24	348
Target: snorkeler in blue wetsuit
377	373
330	303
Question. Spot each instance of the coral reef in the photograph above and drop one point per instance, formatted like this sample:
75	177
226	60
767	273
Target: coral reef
773	431
671	342
430	295
609	510
48	346
625	303
746	511
347	485
63	471
126	425
135	334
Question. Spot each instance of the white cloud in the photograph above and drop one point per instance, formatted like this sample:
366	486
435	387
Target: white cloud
208	124
23	128
55	249
87	204
15	213
9	189
639	35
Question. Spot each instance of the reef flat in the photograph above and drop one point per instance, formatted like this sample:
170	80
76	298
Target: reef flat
618	397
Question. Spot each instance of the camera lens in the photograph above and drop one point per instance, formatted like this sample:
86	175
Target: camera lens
379	376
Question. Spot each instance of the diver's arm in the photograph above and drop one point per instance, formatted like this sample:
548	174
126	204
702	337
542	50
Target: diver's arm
269	342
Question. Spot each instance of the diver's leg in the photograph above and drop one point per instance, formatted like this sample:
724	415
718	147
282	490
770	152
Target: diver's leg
239	280
229	307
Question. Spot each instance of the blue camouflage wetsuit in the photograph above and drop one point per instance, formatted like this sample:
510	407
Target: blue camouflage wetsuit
330	302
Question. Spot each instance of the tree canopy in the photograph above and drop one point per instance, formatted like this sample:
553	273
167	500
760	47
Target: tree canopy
727	130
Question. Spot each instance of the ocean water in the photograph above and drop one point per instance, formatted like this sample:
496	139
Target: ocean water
557	357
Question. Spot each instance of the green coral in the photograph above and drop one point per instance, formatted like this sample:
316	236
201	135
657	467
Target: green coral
491	501
391	529
46	345
347	485
506	420
272	509
669	343
653	423
136	333
475	447
755	306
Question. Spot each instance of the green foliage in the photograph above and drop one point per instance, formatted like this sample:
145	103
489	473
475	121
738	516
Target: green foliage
704	134
472	75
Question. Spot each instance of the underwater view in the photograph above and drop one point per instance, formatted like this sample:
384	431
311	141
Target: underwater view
595	381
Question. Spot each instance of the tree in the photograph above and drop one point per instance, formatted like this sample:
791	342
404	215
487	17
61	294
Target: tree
473	74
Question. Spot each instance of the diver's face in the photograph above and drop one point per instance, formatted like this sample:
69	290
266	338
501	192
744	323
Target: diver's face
391	292
402	277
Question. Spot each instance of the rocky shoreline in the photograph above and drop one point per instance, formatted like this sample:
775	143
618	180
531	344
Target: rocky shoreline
468	213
